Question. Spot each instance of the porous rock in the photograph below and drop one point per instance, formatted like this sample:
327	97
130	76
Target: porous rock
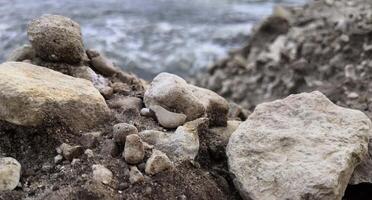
10	173
56	38
303	146
122	130
30	94
134	151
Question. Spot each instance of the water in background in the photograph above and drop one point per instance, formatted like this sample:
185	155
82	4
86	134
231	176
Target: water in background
146	36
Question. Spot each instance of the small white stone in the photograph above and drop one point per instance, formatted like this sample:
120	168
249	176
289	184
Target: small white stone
10	173
58	159
135	176
102	174
158	162
89	153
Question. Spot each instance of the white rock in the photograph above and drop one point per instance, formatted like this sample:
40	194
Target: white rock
30	94
303	146
10	173
158	162
168	119
181	145
135	176
102	174
173	93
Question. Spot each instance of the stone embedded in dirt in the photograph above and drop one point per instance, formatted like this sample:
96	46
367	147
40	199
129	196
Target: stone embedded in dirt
56	38
109	148
181	145
89	153
70	152
30	94
216	106
168	119
90	139
303	146
134	151
158	162
147	112
135	176
58	158
173	93
100	63
25	52
122	130
127	109
363	172
10	173
101	174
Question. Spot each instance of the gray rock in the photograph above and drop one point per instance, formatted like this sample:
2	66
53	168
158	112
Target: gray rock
101	63
168	119
101	174
158	162
10	173
173	93
135	176
147	112
70	152
56	38
363	172
58	158
122	130
25	52
90	139
215	106
30	94
110	148
303	146
181	145
134	151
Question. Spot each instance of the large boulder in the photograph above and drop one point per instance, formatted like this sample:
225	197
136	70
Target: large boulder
56	38
30	94
301	147
173	93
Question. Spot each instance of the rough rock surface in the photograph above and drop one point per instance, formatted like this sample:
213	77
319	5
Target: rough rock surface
30	94
10	173
181	145
158	162
102	174
134	151
168	119
363	172
173	93
301	147
122	130
56	38
135	175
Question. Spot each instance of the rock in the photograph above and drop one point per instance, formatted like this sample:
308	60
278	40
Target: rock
101	174
147	112
216	106
99	82
363	172
58	159
56	38
25	52
237	112
303	146
122	130
89	153
181	145
10	173
90	139
135	176
134	151
158	162
70	152
101	64
30	94
168	119
173	93
110	148
127	109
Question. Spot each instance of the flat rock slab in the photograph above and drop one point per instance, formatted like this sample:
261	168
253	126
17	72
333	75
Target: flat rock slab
301	147
30	94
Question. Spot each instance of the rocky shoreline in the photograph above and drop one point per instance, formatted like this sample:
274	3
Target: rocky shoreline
74	126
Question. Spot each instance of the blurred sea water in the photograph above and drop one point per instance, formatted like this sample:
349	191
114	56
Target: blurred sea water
146	36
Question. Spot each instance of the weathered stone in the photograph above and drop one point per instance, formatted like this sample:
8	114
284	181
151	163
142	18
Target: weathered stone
30	94
101	63
363	172
134	151
158	162
168	119
110	148
10	173
216	106
90	139
173	93
135	176
56	38
70	152
122	130
25	52
181	145
301	147
101	174
147	112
